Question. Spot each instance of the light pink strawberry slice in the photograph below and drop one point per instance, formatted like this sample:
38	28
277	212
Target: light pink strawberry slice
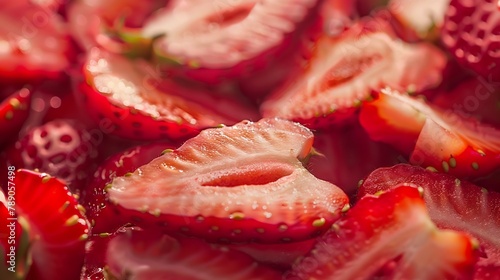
214	40
344	71
240	183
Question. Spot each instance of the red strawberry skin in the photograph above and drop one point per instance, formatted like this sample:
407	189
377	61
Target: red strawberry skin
393	227
99	212
56	225
453	204
470	33
61	148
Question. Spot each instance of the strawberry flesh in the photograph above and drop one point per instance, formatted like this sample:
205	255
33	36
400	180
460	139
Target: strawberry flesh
391	228
453	204
241	183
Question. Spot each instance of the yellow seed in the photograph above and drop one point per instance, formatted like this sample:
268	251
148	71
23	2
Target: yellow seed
346	208
83	237
319	222
237	216
128	174
107	187
453	162
9	115
475	165
64	207
166	151
104	234
15	103
458	182
431	169
446	166
156	212
45	178
260	230
73	220
420	191
81	208
282	227
481	152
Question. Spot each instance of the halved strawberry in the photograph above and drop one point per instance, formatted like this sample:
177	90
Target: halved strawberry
344	71
14	110
422	17
95	23
393	228
453	204
55	223
33	42
240	183
136	104
101	216
345	155
146	255
440	139
61	148
212	41
470	32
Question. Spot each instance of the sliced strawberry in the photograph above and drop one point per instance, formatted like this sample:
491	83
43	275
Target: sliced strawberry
443	140
33	42
473	98
345	155
128	97
240	183
281	256
216	40
14	111
367	7
94	198
142	255
452	204
470	32
57	227
344	71
393	228
92	23
95	253
60	148
424	17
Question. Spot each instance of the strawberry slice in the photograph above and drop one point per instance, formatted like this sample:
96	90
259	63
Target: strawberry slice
127	96
240	183
453	204
14	111
55	223
101	216
142	255
442	140
216	40
33	42
344	71
61	148
392	229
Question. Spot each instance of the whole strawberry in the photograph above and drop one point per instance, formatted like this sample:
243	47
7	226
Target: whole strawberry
61	148
470	33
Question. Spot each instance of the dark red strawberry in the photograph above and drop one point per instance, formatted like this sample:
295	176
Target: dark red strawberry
470	32
136	104
60	148
453	204
143	255
14	110
212	41
345	155
55	223
34	44
390	236
241	183
473	98
441	140
101	216
344	71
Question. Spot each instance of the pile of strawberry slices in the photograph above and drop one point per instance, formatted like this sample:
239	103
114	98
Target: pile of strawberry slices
249	139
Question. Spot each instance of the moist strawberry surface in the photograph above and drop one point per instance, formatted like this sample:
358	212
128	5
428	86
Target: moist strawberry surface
217	139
